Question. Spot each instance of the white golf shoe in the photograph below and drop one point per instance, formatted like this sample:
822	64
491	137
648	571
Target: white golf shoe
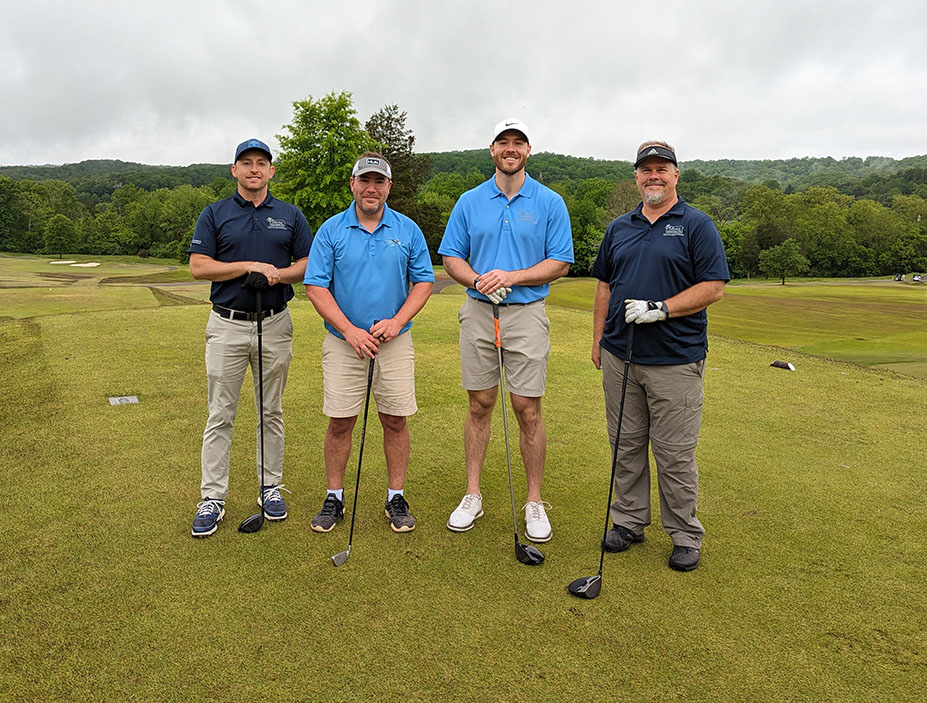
537	526
470	508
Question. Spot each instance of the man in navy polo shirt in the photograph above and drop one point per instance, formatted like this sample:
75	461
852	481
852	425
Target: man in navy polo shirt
506	240
659	267
369	274
247	242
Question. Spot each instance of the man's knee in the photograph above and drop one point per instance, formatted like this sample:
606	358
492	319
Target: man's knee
393	424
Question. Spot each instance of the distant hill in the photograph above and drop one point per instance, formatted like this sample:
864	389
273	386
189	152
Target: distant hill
98	178
798	173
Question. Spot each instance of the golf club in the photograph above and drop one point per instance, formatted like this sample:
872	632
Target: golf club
589	586
253	523
341	557
526	554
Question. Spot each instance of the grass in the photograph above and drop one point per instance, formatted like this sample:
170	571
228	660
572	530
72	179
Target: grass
874	323
811	585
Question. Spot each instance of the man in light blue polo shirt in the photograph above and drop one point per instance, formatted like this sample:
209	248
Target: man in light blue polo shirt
369	273
506	240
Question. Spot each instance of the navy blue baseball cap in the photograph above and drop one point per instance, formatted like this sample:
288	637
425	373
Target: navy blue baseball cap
250	144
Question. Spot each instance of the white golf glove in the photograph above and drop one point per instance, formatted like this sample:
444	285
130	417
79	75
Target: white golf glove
641	311
498	295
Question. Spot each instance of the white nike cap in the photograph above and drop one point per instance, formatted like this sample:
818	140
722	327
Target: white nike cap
511	123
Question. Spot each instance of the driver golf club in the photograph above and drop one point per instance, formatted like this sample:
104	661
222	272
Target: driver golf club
526	554
341	557
589	586
253	523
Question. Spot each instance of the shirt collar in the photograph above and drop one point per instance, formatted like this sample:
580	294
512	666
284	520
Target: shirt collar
268	201
678	208
527	190
388	219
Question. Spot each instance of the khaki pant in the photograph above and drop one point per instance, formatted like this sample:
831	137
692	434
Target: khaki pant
344	377
663	406
231	347
524	332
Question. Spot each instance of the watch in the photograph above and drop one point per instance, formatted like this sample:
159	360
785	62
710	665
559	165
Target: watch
661	306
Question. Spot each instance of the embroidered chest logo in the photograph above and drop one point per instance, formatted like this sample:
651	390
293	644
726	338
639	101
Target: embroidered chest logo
674	231
527	216
275	224
393	242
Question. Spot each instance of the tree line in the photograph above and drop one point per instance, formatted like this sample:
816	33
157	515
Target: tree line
821	217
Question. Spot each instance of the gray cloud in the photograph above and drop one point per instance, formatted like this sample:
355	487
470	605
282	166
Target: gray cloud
182	82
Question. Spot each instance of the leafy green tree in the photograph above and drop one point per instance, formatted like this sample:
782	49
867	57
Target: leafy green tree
783	260
60	235
387	127
12	220
317	155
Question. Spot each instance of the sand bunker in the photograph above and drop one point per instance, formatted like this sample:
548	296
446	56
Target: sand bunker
87	265
69	261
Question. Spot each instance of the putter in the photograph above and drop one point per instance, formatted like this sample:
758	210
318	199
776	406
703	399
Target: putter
589	586
525	553
253	523
341	557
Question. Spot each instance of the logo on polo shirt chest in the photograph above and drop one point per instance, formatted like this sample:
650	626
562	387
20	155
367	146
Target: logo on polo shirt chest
275	224
674	231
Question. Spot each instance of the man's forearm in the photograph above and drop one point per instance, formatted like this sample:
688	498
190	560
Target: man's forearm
295	272
459	270
695	298
416	300
600	310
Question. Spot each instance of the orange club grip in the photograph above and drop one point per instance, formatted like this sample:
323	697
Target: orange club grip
498	336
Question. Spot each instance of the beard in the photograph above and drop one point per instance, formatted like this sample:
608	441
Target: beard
509	170
654	198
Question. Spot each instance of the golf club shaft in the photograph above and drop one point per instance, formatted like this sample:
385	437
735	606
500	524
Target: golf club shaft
360	453
611	483
505	422
260	336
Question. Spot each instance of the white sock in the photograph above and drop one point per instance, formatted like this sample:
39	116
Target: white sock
390	494
339	494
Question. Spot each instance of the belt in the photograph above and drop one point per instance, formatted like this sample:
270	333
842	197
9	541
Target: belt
501	305
230	314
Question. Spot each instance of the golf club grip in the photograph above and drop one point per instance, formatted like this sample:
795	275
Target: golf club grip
495	322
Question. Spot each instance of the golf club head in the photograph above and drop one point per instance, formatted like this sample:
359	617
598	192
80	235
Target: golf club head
252	523
527	554
586	587
341	557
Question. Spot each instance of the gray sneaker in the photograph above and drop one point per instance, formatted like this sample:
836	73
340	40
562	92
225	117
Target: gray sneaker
397	510
332	511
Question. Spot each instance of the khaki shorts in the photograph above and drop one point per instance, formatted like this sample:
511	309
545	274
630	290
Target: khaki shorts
344	378
524	330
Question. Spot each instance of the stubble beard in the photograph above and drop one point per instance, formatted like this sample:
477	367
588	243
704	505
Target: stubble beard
652	198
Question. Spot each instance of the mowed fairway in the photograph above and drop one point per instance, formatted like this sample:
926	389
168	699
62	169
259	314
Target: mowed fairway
812	493
877	323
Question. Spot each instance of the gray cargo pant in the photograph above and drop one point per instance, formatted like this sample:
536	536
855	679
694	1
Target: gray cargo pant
663	407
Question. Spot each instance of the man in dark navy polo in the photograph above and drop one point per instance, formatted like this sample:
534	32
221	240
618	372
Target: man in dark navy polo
248	242
659	267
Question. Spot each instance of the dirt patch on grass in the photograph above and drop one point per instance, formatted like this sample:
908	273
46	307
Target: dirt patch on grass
167	298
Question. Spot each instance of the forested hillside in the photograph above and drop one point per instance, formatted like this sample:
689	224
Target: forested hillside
818	216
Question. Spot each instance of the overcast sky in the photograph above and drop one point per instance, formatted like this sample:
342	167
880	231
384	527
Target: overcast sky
171	82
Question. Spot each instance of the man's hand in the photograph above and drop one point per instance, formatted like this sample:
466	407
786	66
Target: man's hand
256	281
642	311
385	330
363	343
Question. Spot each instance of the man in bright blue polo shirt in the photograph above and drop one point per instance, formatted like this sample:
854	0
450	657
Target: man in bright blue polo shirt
368	275
506	240
659	267
248	242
